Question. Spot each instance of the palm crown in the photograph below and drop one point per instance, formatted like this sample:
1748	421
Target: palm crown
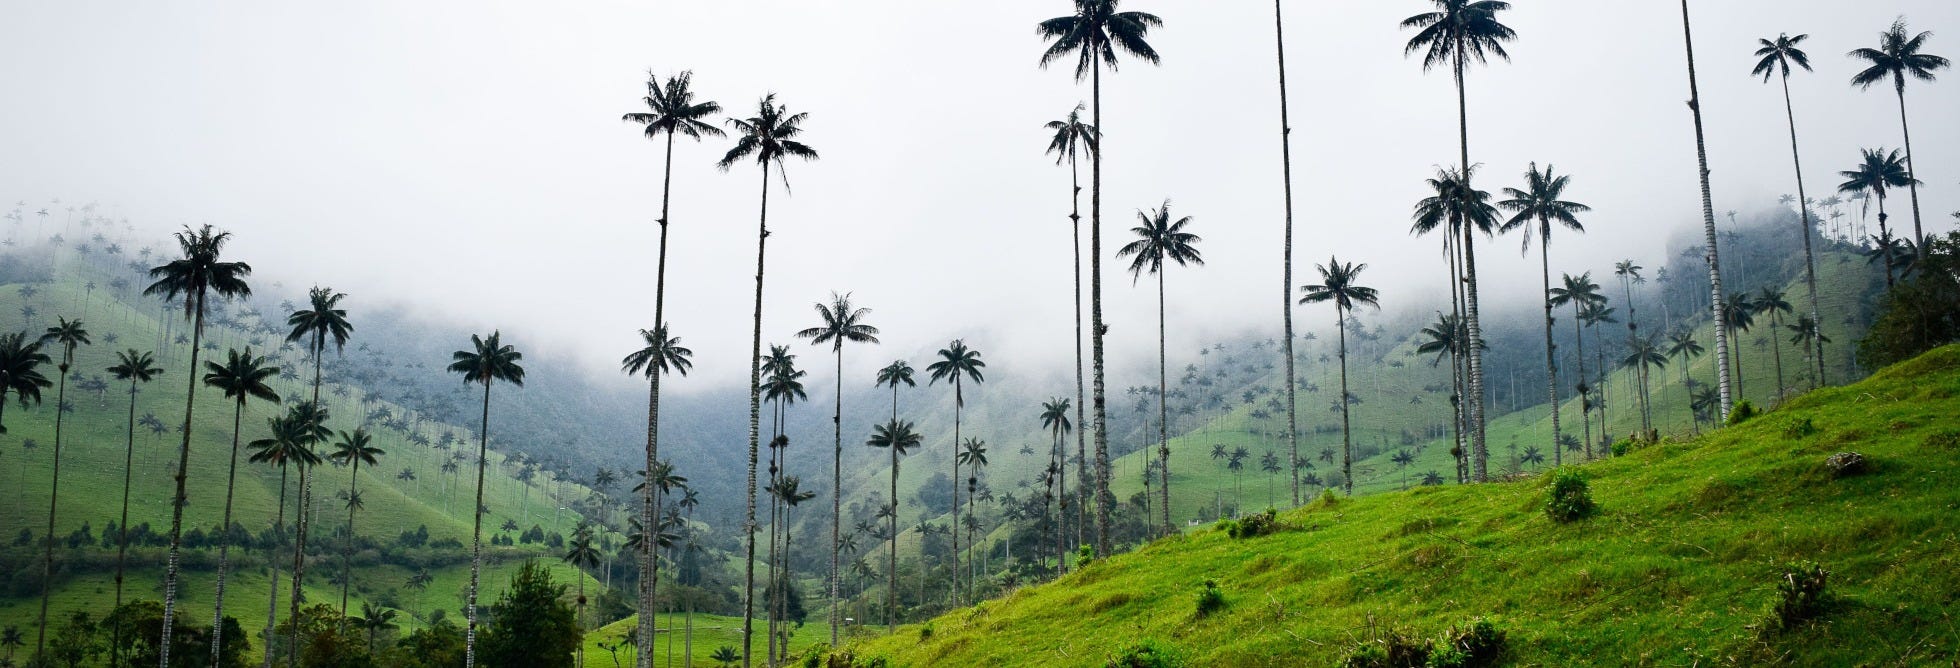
1779	54
672	110
323	320
841	322
68	334
1094	32
136	367
956	361
1160	239
1455	203
1337	284
662	354
899	371
784	381
489	360
1541	200
242	376
1898	55
1054	415
1071	135
1580	289
1459	29
769	136
20	360
356	446
1879	172
894	435
199	273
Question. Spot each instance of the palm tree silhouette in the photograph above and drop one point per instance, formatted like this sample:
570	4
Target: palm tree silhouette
20	362
1644	354
1540	201
1445	338
1770	300
581	554
842	322
1776	57
242	377
1159	239
1337	285
783	386
1593	315
956	363
312	423
68	334
1071	136
321	321
288	444
899	438
488	361
1094	32
770	137
661	355
1462	208
353	448
1897	56
1682	346
1877	174
899	371
195	277
1711	252
1286	264
137	368
973	453
1806	333
1581	292
789	491
1054	418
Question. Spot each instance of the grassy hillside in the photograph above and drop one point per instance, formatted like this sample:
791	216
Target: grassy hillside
1677	567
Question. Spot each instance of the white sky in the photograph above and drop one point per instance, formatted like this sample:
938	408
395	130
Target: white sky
467	158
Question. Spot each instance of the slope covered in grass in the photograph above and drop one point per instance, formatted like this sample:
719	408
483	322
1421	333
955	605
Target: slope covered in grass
1678	566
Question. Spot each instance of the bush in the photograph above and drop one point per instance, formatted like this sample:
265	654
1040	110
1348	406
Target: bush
925	632
1254	525
1570	498
1742	412
1801	594
1392	650
1210	598
1921	312
1795	428
1146	653
1083	555
1472	645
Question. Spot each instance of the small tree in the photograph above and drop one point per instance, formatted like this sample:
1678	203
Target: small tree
531	624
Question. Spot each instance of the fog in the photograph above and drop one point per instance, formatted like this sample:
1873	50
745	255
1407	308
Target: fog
467	160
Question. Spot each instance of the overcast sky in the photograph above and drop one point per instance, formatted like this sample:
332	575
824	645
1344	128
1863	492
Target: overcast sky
467	158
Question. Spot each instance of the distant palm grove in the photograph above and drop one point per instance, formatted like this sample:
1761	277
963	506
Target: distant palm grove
384	502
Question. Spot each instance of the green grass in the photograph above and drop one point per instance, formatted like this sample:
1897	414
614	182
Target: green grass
710	632
1677	567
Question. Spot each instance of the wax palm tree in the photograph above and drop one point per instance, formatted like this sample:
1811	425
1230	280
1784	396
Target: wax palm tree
1806	333
1711	256
310	420
1338	285
374	620
661	355
1770	300
769	137
354	448
1776	56
1593	315
1683	347
956	364
898	437
972	453
11	639
1899	55
242	377
195	277
488	361
1541	201
1644	354
20	370
842	322
1093	33
68	334
136	368
899	371
1581	292
789	491
1159	240
1444	338
782	386
583	556
1054	418
1629	275
1876	176
1073	136
321	322
1286	264
1463	208
289	444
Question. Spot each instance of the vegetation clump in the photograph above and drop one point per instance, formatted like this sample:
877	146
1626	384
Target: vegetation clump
1798	428
1146	653
1210	598
1570	498
1474	645
1252	526
1845	464
1743	411
1801	595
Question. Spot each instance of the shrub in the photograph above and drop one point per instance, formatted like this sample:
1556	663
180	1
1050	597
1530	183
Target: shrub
1210	598
1798	428
1392	650
1255	525
1801	594
1742	412
1472	645
1146	653
1083	555
925	632
1570	497
1622	447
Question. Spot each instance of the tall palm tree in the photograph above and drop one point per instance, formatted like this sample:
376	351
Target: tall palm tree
1683	347
1445	338
783	386
195	277
1054	418
290	443
1876	175
898	437
1805	333
321	322
1541	201
1462	208
956	364
136	368
582	555
68	334
1581	292
842	322
1776	57
1629	275
1338	285
20	373
310	419
671	111
1286	263
1592	316
1094	32
1643	355
1160	239
242	377
899	371
355	448
1712	255
1770	300
488	361
1072	136
1899	54
1454	34
973	453
661	355
770	138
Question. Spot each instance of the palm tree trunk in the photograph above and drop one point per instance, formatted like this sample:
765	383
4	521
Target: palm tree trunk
305	507
1776	350
476	532
1803	216
54	497
224	539
1085	482
347	551
1585	398
836	490
1347	443
179	499
954	535
1163	412
1912	184
272	608
1480	453
1551	366
647	566
1286	283
1457	361
122	528
755	423
1708	222
891	567
1103	497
